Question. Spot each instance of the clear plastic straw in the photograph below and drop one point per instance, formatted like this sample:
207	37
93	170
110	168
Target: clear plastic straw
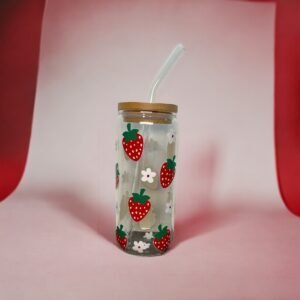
165	68
161	74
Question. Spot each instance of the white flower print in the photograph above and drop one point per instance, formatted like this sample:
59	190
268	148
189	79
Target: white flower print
168	209
140	246
171	136
148	235
148	175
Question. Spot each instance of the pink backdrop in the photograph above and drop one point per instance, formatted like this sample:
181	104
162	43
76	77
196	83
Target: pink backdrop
233	233
97	54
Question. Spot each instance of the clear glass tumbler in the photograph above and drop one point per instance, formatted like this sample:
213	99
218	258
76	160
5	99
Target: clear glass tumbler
145	171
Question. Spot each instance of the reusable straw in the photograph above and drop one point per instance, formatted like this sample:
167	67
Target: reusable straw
161	74
171	60
165	68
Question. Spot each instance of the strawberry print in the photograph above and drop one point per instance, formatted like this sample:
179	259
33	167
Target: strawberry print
117	175
133	143
167	172
121	236
139	205
162	238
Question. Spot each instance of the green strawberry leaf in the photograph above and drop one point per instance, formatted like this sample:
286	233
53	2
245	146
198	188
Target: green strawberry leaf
130	134
144	198
135	197
141	198
134	131
171	164
120	231
161	232
157	235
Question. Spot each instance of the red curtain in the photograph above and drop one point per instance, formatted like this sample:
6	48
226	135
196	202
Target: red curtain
287	101
20	31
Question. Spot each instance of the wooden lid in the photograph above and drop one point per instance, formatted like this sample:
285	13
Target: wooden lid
146	106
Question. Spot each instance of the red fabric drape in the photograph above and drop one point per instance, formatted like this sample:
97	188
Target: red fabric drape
20	30
287	101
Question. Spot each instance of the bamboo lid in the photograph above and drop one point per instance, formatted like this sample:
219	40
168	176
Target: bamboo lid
146	106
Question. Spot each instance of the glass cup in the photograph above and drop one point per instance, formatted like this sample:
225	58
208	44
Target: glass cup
145	171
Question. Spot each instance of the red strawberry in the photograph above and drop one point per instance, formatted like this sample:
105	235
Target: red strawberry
139	205
117	175
133	143
167	172
162	238
121	236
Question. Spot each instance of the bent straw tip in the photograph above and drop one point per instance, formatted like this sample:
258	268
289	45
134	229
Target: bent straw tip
180	46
